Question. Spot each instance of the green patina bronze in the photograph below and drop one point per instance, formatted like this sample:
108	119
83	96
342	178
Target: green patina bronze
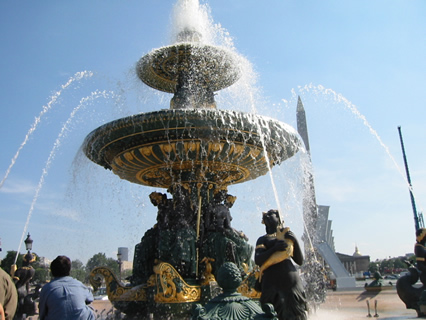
230	304
190	146
194	151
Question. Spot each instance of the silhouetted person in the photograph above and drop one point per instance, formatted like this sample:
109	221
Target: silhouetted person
64	297
280	281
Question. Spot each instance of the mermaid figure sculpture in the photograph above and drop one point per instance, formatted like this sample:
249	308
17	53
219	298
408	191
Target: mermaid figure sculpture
414	296
279	279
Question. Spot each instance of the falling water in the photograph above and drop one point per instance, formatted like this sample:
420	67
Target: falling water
247	92
78	76
339	98
190	15
83	102
262	141
313	269
349	105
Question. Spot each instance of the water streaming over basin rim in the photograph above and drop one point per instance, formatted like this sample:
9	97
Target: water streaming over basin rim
204	65
222	147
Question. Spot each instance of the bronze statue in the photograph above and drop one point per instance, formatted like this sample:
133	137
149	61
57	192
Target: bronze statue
410	294
22	278
230	304
220	241
279	279
420	252
218	217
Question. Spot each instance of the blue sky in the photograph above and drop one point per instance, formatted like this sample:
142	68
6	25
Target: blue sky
359	67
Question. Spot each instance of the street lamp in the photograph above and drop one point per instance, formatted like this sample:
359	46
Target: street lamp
28	243
29	257
119	264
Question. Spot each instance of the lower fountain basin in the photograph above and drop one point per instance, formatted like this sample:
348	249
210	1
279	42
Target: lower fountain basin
220	147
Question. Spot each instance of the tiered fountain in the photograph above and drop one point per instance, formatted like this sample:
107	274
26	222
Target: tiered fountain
194	151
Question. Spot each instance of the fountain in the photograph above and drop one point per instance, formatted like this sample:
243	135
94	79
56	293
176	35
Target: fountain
195	151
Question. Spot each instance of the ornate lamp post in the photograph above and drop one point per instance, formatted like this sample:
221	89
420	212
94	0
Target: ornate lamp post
28	243
22	277
119	264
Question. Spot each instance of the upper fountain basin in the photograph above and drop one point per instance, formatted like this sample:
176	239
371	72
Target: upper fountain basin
202	65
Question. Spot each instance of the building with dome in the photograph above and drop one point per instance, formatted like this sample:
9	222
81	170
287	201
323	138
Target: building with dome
356	264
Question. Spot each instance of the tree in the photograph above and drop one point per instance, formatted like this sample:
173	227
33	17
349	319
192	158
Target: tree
77	270
41	275
391	265
373	267
100	260
113	265
7	262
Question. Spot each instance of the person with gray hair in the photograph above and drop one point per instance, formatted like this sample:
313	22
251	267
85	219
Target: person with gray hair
64	297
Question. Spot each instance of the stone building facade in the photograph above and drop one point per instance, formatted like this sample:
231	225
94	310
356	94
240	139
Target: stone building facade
356	264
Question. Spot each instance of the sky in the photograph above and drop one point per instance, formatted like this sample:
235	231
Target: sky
69	67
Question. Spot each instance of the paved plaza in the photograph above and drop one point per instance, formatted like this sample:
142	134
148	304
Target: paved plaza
351	305
341	305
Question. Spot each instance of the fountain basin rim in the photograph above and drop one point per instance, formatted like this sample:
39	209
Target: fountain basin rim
226	146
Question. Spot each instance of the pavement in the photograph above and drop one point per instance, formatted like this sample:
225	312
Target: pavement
339	305
352	304
103	308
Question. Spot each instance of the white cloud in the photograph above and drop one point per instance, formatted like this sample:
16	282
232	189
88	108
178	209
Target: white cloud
23	187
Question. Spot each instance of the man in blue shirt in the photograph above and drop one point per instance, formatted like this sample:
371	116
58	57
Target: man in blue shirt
64	297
